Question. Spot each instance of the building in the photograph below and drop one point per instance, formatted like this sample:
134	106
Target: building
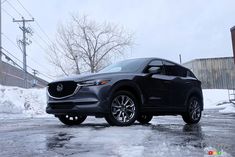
13	76
214	73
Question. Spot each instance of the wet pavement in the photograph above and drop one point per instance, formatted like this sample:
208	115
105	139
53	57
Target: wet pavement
165	136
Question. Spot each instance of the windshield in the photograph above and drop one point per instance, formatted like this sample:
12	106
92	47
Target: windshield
131	65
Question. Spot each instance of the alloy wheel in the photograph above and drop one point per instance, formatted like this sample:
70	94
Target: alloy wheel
195	110
123	108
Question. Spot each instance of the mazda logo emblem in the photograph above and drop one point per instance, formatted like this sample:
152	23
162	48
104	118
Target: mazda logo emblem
59	87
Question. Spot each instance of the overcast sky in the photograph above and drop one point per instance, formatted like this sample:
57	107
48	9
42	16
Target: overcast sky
162	28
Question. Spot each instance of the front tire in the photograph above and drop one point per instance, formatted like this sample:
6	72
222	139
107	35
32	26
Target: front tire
144	119
123	109
194	111
72	120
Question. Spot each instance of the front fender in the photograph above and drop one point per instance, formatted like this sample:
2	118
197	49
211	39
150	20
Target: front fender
197	92
128	84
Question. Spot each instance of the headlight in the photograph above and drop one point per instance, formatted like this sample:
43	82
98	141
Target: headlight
93	82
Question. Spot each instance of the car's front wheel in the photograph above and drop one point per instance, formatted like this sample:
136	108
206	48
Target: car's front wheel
72	120
194	111
123	109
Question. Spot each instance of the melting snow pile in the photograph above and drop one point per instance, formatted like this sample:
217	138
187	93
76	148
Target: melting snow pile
218	99
15	100
32	102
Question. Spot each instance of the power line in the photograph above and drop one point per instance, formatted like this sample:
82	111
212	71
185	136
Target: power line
12	55
42	30
41	37
39	45
4	1
22	62
14	8
48	44
30	25
11	41
24	8
39	64
19	47
9	15
9	58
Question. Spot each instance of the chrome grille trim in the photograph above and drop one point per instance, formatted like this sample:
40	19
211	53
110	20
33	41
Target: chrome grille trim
59	98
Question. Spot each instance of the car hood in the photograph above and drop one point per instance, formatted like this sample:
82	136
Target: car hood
95	76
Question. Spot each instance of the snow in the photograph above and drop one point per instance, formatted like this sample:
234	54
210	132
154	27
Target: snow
229	108
218	99
213	97
32	102
19	101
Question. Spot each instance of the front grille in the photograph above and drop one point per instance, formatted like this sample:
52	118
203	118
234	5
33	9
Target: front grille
62	89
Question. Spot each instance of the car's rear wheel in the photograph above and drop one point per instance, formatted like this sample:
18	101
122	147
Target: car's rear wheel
194	111
144	119
123	109
72	120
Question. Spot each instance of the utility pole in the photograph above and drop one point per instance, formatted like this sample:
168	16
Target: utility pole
180	58
24	43
233	41
35	72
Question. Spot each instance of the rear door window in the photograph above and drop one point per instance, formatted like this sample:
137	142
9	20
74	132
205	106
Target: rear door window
174	70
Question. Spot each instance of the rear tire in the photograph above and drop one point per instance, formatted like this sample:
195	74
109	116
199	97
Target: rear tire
72	120
194	111
123	109
144	119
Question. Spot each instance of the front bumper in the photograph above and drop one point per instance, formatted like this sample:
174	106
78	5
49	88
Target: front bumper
76	108
91	100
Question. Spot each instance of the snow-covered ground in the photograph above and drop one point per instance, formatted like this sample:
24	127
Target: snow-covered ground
32	102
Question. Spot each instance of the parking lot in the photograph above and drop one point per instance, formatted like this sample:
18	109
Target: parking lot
166	135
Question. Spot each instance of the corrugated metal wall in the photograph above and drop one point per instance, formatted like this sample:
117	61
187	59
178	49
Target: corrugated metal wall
215	73
12	76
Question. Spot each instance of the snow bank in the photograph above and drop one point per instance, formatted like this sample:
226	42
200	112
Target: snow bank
218	99
213	97
29	102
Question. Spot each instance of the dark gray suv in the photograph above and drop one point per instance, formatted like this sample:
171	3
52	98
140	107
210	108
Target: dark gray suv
130	90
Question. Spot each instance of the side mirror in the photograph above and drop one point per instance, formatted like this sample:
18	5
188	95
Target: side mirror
154	70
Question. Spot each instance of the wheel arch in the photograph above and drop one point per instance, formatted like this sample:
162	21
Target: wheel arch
130	86
195	92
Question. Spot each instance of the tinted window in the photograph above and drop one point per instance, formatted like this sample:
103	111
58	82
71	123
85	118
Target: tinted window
174	70
190	74
131	65
156	66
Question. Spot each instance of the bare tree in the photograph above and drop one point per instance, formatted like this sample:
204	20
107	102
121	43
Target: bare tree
85	45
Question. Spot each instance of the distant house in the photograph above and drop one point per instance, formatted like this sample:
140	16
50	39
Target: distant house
214	73
13	76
